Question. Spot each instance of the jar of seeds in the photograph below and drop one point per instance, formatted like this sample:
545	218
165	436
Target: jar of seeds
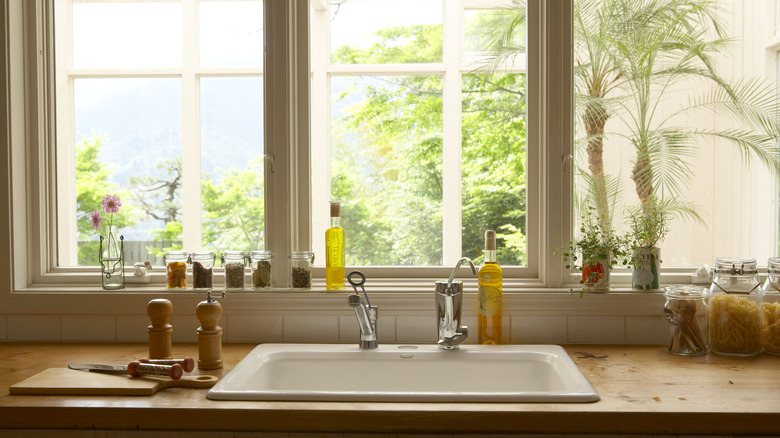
176	268
234	263
261	268
202	269
300	265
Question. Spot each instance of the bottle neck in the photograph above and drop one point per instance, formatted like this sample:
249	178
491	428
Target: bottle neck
490	256
335	221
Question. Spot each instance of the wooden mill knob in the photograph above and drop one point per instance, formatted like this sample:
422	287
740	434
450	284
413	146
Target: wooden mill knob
160	330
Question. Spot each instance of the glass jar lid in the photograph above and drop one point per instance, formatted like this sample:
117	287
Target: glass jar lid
685	291
302	255
735	266
261	254
199	255
176	255
773	265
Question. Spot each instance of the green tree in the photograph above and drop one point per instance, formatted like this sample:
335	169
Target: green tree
391	184
233	209
93	182
159	196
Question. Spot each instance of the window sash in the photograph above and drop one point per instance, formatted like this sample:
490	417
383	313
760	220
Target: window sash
287	134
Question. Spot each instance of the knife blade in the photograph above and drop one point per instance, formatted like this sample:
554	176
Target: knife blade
105	367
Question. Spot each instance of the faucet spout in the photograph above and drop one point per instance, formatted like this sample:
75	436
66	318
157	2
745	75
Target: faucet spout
455	271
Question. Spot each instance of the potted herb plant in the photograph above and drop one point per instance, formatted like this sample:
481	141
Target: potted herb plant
595	252
649	224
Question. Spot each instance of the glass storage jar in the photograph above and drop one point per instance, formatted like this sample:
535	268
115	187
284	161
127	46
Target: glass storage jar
202	269
735	308
234	263
770	307
176	268
686	311
300	268
261	262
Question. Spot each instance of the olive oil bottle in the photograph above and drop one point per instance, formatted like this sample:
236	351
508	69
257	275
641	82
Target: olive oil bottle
334	250
490	294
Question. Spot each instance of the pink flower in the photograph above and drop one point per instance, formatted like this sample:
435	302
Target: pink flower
96	219
111	204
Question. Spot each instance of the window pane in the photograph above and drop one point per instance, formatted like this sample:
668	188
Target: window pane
378	31
231	33
482	24
493	165
232	163
127	35
386	167
128	142
654	128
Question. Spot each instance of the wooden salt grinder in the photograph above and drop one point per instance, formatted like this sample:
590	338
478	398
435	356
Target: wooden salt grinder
160	331
209	333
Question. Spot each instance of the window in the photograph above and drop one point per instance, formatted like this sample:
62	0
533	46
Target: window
420	137
162	104
180	84
657	125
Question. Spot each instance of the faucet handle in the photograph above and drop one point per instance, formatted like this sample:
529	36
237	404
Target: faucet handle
452	276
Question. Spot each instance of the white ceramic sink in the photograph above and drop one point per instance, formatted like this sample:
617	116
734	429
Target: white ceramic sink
410	373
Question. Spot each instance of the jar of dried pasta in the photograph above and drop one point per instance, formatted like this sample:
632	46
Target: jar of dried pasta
176	268
735	308
770	307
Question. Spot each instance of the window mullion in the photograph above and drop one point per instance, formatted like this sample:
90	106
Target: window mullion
190	132
451	129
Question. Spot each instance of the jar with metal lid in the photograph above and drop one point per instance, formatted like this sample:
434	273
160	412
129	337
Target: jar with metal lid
735	308
261	262
686	311
235	264
770	307
202	269
176	268
300	268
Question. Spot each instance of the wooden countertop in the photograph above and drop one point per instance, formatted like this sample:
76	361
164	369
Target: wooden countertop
643	390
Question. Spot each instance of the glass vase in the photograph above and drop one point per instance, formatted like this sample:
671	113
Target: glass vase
112	259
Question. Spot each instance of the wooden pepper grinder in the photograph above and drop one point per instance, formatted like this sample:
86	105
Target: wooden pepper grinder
209	333
161	330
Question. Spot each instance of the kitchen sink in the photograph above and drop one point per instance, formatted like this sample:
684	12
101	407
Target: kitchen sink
406	373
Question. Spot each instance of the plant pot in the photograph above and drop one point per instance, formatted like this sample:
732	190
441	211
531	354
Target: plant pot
646	269
595	276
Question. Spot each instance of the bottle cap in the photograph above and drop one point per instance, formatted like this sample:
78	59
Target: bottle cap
490	240
335	209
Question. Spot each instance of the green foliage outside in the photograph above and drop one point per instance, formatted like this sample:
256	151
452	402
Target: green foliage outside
93	182
387	157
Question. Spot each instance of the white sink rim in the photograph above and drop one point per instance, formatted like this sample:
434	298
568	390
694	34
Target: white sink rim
577	388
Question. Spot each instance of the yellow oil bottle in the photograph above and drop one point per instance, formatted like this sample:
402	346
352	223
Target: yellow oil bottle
490	294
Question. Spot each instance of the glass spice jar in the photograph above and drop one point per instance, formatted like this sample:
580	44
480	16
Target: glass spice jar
735	308
300	268
202	269
234	263
686	311
770	307
176	268
261	262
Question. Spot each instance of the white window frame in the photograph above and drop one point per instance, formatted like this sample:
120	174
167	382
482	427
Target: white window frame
28	257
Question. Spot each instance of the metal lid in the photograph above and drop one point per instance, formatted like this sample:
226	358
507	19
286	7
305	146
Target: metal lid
684	291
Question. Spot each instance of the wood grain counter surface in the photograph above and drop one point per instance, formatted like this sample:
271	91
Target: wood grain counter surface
642	388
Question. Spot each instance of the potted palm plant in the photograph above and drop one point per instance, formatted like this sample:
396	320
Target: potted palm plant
649	224
594	253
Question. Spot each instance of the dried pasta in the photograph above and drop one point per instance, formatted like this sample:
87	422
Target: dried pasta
735	324
771	333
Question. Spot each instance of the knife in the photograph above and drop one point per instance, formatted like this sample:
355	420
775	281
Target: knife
134	368
115	368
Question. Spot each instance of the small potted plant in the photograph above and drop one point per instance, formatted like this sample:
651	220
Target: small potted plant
595	252
649	224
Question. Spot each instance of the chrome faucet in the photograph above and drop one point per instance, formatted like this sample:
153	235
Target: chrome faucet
366	313
449	305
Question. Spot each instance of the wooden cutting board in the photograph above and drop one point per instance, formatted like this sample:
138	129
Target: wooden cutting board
58	381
